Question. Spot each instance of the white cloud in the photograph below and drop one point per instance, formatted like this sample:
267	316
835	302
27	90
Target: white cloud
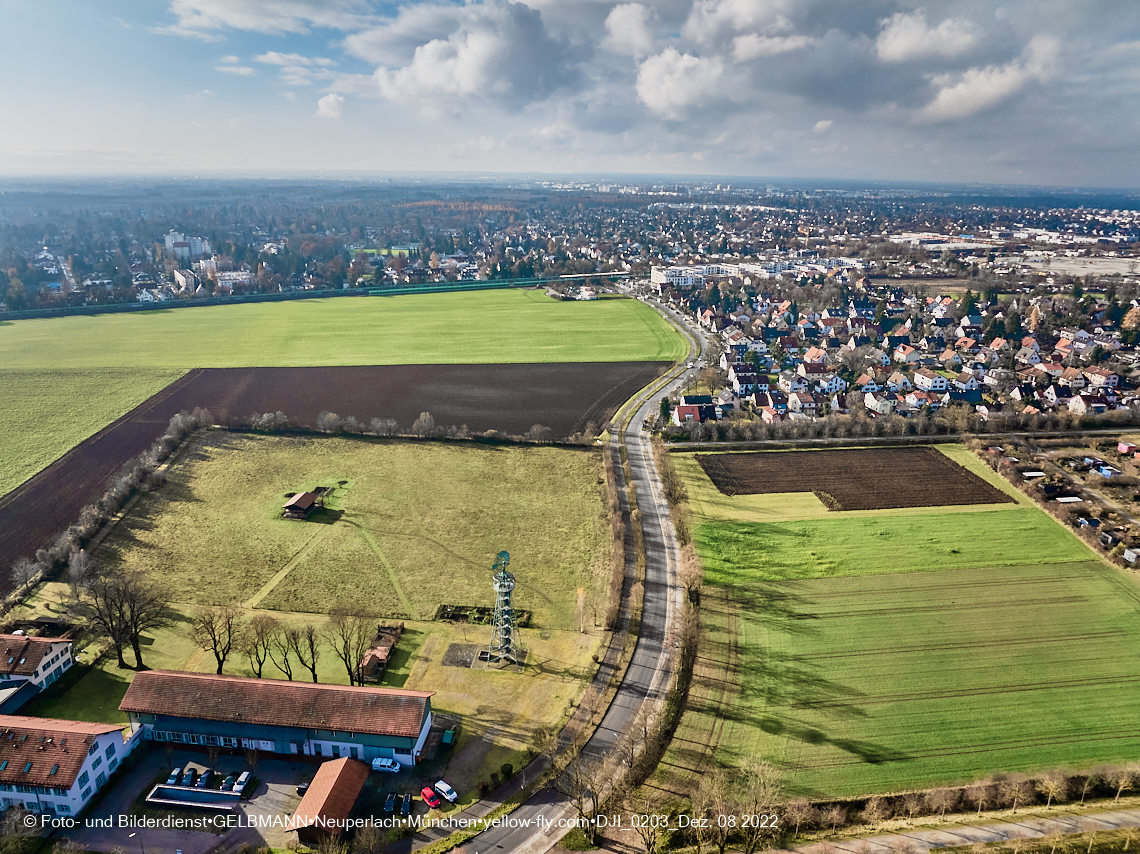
822	125
710	19
275	58
670	82
905	36
242	70
205	18
753	46
628	30
497	51
979	89
331	106
231	60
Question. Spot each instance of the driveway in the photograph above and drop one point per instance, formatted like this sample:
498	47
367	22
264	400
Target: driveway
107	826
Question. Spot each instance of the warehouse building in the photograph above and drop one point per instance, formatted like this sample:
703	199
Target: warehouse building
295	718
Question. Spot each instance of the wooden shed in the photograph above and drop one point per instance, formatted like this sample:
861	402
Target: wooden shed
299	506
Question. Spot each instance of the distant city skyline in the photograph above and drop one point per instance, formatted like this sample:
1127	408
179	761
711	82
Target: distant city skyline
1031	92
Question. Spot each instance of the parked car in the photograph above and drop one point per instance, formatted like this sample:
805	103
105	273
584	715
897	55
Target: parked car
242	782
204	780
172	780
390	802
188	777
430	797
406	805
228	783
302	788
389	765
446	791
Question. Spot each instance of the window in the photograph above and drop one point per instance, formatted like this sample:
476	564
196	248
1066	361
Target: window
114	764
316	748
65	809
3	765
355	751
336	751
100	780
98	761
94	747
86	793
110	751
83	778
27	767
54	768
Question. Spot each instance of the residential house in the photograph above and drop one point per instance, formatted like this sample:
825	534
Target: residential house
906	354
53	766
790	383
878	403
1028	356
1101	378
328	802
803	403
1089	404
28	665
899	381
926	380
965	381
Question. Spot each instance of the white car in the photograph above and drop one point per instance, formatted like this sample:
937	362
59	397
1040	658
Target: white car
382	764
446	791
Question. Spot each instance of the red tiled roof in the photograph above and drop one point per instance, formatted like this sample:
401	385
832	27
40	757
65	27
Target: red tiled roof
273	702
331	795
25	653
46	743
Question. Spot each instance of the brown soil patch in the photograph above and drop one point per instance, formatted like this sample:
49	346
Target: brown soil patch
856	479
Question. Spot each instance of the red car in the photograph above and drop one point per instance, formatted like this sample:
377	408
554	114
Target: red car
430	797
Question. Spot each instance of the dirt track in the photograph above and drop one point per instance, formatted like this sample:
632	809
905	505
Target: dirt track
510	398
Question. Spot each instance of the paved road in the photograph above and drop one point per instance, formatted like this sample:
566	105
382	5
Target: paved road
648	671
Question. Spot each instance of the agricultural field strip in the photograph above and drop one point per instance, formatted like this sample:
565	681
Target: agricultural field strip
490	327
904	477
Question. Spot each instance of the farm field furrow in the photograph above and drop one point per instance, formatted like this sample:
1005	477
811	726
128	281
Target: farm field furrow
489	327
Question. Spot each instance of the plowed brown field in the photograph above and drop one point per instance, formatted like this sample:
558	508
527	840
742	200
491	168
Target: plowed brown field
510	398
856	479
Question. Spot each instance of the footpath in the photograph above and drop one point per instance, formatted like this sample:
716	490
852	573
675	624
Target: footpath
922	841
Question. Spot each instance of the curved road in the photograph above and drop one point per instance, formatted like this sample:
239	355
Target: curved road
649	669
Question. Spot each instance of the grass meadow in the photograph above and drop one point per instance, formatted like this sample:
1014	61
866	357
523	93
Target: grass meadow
415	526
45	412
487	327
871	652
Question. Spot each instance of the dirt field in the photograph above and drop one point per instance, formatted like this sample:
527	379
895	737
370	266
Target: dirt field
854	479
510	398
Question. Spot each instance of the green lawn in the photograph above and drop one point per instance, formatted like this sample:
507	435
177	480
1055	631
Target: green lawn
416	526
45	412
887	651
489	327
743	552
893	683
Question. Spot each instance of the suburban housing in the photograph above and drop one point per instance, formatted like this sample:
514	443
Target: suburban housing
28	665
279	717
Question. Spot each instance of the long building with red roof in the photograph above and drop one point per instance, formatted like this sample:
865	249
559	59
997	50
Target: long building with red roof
275	716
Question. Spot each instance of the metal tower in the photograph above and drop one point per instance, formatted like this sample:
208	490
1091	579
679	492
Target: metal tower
504	641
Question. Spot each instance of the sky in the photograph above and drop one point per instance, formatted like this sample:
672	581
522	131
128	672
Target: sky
1043	92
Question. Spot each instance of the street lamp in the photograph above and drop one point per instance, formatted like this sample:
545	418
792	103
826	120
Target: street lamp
142	847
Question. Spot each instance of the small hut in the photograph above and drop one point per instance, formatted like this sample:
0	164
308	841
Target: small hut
299	506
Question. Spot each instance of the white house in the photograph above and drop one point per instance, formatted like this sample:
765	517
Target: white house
56	766
28	665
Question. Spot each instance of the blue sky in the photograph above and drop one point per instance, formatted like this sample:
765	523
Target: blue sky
1025	91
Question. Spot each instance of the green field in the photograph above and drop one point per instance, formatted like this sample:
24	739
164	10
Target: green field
45	411
487	327
414	527
869	653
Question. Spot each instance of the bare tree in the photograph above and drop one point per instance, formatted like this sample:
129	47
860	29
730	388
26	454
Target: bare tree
941	800
691	573
1054	785
1120	778
582	782
280	647
648	818
217	630
538	433
874	811
802	813
1088	784
980	794
80	569
369	840
384	426
257	640
329	422
350	635
424	425
306	645
23	571
1015	790
106	613
147	607
761	795
835	816
714	800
